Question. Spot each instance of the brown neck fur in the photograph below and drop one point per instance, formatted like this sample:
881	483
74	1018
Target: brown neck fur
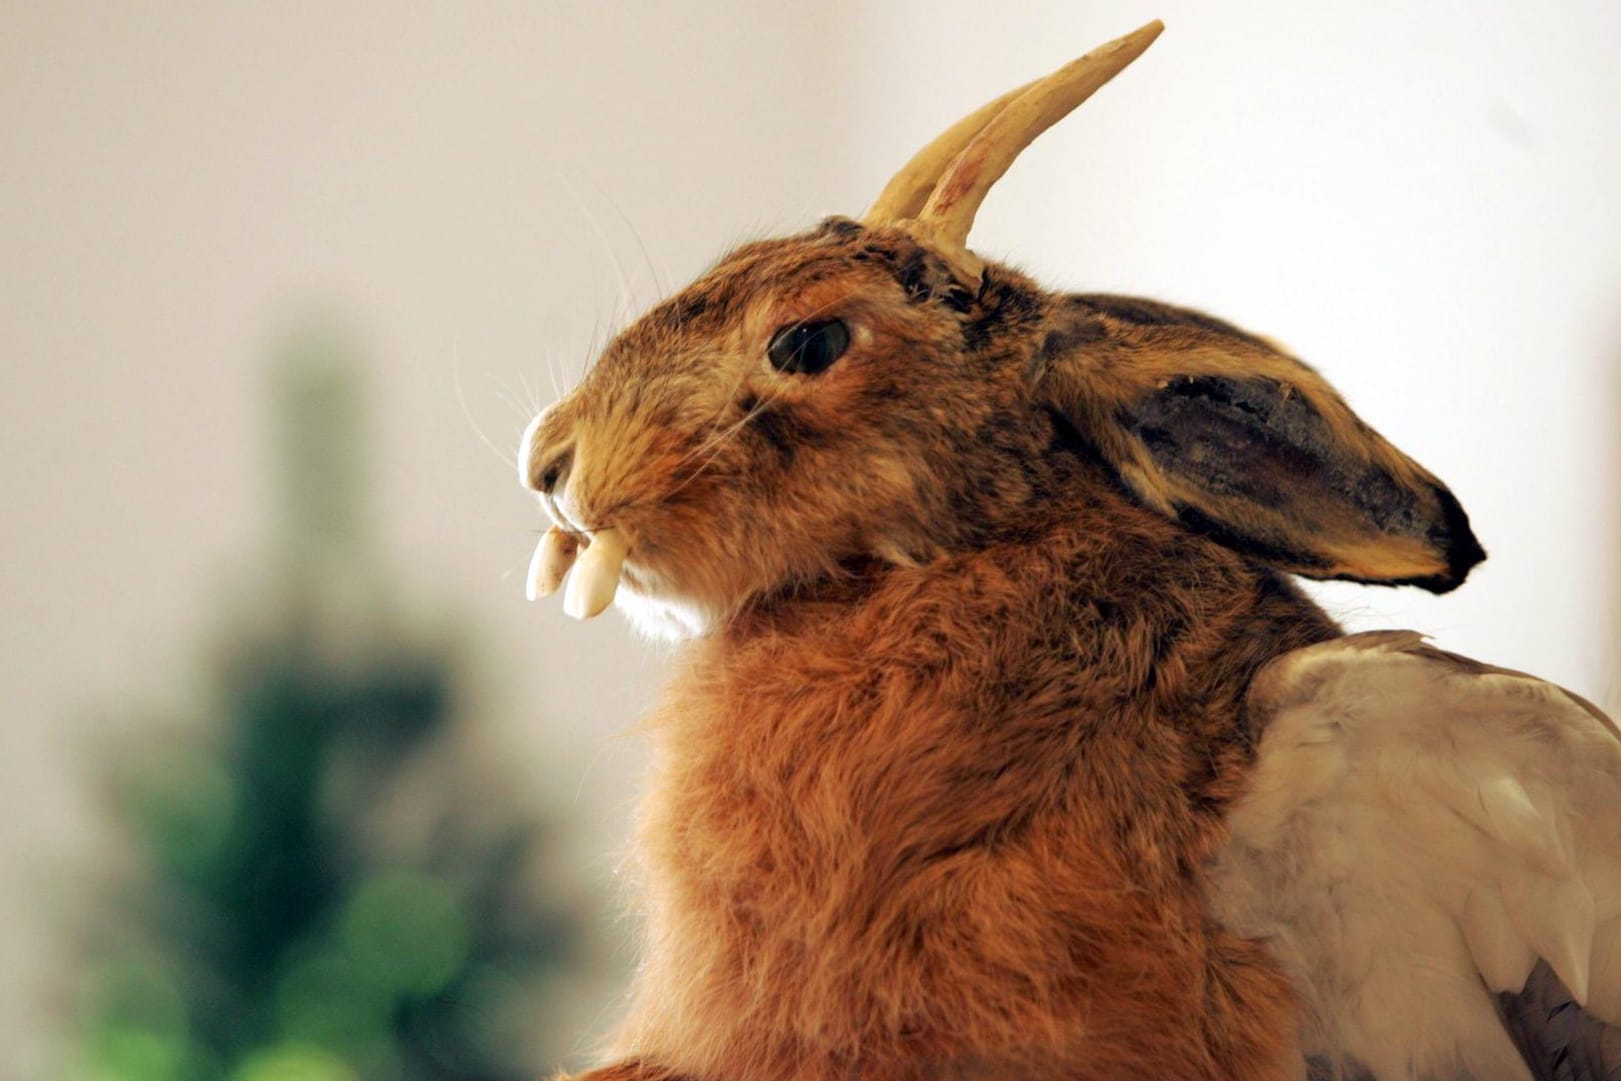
878	798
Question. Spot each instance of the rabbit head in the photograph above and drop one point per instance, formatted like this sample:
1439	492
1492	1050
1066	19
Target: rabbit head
872	392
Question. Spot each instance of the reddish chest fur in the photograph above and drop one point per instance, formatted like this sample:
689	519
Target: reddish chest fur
945	820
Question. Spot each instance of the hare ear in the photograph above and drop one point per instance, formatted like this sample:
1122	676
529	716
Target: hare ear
1224	433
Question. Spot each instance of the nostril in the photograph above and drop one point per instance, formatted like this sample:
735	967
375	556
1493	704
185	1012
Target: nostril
551	474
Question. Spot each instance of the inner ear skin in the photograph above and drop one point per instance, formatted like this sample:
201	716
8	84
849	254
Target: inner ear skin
1245	455
1259	441
1254	439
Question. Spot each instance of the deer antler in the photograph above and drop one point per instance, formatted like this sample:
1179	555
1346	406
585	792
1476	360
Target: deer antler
972	154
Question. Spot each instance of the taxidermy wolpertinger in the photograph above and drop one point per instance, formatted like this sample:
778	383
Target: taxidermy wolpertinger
1002	744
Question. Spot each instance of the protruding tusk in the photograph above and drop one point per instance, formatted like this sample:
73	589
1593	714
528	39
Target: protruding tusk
553	556
595	579
949	213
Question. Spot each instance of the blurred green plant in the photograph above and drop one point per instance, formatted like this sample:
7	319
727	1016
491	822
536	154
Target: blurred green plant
322	892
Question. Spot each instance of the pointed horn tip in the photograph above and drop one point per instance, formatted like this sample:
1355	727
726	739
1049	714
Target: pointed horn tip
1135	42
957	195
892	211
1114	56
910	188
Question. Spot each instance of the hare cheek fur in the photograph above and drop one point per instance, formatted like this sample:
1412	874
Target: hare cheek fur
972	613
732	480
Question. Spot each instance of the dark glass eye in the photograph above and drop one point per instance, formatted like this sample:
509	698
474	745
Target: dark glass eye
809	348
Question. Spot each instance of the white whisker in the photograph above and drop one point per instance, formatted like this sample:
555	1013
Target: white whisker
531	395
627	294
659	283
508	459
510	397
551	373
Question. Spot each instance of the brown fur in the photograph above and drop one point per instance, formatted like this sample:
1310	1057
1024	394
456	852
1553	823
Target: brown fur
939	774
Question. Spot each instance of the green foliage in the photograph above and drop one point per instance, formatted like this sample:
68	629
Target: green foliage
284	925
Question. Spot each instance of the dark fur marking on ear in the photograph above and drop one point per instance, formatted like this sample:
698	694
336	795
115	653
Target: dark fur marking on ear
1457	542
1433	583
1151	313
1196	520
1463	549
1259	440
1063	340
1461	557
1248	438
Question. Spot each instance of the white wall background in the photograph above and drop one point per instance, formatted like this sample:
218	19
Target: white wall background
1420	199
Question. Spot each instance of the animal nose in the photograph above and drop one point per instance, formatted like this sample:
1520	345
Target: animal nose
551	473
547	467
543	463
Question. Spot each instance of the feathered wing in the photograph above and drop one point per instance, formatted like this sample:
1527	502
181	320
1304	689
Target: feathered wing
1420	832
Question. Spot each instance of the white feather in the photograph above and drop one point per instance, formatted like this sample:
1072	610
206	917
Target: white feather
1604	996
1556	920
1502	955
1511	817
1418	830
